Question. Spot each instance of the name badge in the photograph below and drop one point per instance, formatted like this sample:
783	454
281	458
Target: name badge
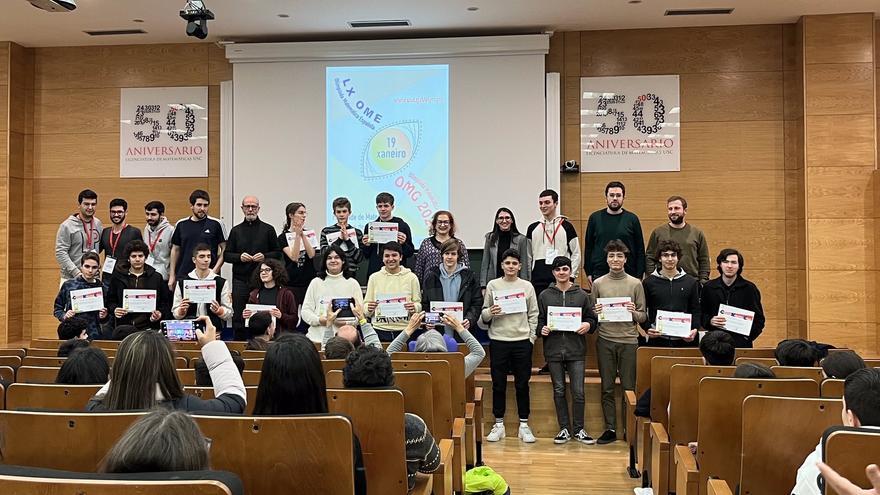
151	261
550	254
109	264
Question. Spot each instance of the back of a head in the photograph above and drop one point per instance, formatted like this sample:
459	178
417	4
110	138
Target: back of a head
368	367
84	366
861	392
431	341
796	352
72	328
203	375
164	440
123	331
70	345
841	364
349	333
144	359
259	324
292	378
718	348
753	370
337	347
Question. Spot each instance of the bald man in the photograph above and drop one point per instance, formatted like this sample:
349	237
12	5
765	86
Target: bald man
350	332
250	243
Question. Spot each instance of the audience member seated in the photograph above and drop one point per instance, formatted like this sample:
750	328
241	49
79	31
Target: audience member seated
841	364
144	376
85	366
164	440
861	409
73	328
717	348
292	382
261	329
123	331
369	367
70	345
350	332
203	375
433	341
337	348
753	370
796	352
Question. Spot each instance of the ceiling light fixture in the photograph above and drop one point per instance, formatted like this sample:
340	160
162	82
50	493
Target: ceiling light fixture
473	9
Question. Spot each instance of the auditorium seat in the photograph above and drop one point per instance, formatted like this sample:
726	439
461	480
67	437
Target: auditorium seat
51	397
849	450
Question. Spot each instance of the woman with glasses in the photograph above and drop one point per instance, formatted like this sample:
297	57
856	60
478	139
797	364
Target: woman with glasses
268	285
442	230
504	235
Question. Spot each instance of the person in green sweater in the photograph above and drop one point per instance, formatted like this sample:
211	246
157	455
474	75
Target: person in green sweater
618	340
694	247
512	335
607	224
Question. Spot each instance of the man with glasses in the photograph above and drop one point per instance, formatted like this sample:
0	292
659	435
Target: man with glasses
116	236
80	233
87	279
249	244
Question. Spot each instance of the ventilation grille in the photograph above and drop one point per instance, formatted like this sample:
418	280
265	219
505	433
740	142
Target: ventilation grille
115	32
380	23
699	12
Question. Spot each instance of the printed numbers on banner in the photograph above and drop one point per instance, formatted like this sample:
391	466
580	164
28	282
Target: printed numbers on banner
604	108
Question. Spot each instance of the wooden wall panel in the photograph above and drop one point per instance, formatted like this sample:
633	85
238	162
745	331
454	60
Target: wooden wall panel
731	96
842	244
839	89
841	140
839	39
839	192
726	146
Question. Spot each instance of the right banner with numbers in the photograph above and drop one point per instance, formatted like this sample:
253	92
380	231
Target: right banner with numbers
630	124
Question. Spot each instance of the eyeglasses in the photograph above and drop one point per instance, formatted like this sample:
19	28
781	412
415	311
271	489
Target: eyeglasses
443	222
117	212
265	270
250	207
504	219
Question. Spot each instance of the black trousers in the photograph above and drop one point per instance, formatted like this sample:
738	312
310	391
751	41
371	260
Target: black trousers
240	292
505	357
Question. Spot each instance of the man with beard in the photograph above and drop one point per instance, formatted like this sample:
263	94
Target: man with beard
115	237
694	247
80	233
608	224
158	234
196	229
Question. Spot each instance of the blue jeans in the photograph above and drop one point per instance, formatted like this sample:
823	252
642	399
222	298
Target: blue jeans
575	371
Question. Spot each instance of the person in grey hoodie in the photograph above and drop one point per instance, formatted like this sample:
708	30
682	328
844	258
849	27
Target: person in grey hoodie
451	281
566	350
78	234
157	235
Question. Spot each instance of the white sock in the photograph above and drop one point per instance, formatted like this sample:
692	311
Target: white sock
524	422
499	421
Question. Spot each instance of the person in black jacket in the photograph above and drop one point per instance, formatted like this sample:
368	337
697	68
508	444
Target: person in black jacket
453	282
137	275
733	290
669	288
373	251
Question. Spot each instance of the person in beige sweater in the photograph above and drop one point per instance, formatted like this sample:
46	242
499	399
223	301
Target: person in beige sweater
512	336
618	340
392	279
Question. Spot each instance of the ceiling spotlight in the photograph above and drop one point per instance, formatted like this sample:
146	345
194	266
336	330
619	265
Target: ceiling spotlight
137	20
473	9
197	17
284	16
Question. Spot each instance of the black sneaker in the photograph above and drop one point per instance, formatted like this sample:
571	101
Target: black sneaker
562	437
607	437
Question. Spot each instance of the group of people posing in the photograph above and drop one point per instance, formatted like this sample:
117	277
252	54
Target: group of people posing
306	282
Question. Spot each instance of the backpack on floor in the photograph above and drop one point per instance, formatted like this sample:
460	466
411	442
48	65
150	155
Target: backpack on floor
484	480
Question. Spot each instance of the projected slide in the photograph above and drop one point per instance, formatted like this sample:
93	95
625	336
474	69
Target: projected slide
388	130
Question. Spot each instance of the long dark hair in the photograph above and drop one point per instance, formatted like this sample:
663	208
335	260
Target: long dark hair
496	230
291	209
322	271
292	379
144	360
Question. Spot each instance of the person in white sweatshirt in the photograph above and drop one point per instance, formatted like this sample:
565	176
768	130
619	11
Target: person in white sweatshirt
392	280
333	282
512	335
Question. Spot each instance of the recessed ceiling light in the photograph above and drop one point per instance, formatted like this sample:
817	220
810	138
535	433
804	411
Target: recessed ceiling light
473	9
284	16
635	1
137	20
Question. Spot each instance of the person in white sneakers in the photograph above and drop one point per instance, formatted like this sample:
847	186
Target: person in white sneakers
512	336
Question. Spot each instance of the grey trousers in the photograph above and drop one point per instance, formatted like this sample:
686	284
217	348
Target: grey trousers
615	360
576	377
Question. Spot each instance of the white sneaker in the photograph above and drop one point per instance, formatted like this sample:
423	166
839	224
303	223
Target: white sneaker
497	432
525	433
643	491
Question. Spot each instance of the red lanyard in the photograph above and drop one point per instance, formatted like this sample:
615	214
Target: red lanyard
551	239
88	233
158	236
118	236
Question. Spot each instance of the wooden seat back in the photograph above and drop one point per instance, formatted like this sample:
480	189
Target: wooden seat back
332	364
7	374
755	352
872	362
661	366
301	454
36	374
188	377
253	364
105	344
11	361
17	351
35	352
769	465
441	389
684	410
56	397
45	343
418	395
456	370
25	485
377	418
253	354
643	362
849	450
768	362
719	433
61	440
207	393
831	388
251	378
58	361
813	373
